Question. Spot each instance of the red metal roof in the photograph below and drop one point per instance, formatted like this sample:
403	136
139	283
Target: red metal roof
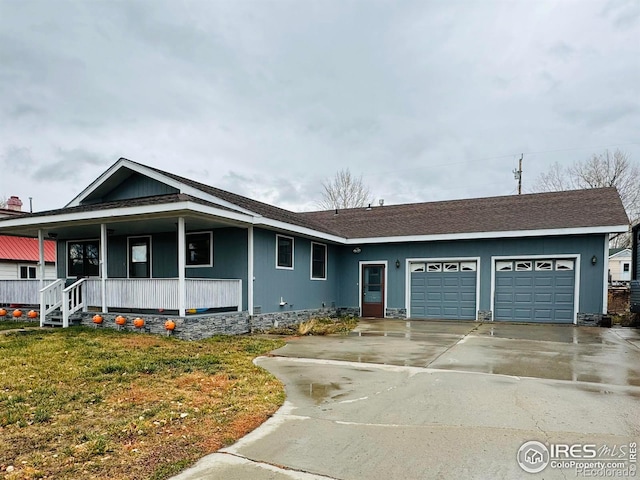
25	249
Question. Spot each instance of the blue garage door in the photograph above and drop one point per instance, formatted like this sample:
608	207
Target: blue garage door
539	291
443	290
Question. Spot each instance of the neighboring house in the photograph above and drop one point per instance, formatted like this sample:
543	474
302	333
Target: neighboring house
619	265
146	239
20	258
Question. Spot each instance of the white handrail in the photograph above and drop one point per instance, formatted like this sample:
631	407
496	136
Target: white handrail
50	299
72	301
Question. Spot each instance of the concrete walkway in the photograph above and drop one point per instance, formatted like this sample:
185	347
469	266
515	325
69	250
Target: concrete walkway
424	400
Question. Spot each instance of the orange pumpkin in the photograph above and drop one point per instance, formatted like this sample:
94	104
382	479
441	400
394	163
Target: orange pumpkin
138	322
17	313
97	319
3	312
120	320
170	325
32	314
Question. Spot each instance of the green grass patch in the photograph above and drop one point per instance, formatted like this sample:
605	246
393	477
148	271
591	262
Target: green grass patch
97	403
8	324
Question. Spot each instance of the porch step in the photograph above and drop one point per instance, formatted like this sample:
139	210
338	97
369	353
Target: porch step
54	319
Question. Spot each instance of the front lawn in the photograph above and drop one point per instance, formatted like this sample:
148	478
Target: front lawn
87	403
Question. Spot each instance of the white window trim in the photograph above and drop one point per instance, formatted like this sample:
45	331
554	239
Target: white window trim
186	242
27	265
66	254
576	278
326	261
293	252
150	259
407	279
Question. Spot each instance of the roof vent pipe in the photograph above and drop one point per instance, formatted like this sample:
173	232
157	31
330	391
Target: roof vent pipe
369	207
381	202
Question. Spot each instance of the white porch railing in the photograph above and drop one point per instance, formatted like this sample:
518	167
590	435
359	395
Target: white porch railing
72	301
24	292
50	299
162	293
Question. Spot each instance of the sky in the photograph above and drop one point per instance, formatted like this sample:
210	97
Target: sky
426	100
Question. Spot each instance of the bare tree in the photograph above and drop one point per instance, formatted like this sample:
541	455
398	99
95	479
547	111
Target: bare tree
344	191
601	170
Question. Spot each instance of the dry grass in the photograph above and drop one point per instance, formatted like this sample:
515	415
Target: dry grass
319	326
86	403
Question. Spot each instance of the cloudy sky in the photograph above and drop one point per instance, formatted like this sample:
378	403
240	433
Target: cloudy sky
426	100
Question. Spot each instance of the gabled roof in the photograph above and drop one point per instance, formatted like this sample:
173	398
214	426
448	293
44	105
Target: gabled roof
619	252
573	209
540	214
21	249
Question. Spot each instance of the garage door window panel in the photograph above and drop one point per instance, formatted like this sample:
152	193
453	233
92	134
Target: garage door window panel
523	266
434	267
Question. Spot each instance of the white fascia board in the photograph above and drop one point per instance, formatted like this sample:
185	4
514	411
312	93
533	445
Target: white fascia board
487	235
186	189
304	231
122	212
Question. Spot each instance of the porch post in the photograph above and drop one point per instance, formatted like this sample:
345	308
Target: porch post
182	262
43	306
250	270
103	266
41	257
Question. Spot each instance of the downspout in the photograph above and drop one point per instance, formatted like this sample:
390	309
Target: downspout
182	262
42	271
250	270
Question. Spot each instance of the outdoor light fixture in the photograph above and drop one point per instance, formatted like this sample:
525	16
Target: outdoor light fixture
397	263
594	260
52	235
357	250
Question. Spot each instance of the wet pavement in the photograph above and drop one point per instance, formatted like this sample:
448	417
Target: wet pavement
400	399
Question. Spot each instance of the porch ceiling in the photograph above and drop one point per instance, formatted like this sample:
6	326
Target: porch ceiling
121	226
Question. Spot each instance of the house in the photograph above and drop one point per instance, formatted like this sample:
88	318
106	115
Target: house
140	239
619	265
635	268
20	260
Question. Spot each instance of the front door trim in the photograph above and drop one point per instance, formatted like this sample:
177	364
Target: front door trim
361	265
149	259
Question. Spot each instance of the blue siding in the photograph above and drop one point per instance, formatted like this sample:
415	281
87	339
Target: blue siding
294	286
137	186
635	279
591	276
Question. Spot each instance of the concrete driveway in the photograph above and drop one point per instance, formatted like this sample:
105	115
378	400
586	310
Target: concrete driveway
421	400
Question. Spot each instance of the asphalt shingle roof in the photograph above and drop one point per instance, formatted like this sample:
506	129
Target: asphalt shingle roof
539	211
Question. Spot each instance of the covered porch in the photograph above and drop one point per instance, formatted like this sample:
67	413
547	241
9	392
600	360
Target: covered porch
179	262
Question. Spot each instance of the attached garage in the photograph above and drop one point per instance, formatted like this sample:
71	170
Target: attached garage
535	290
444	290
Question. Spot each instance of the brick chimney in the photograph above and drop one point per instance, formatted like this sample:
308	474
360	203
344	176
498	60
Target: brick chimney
14	203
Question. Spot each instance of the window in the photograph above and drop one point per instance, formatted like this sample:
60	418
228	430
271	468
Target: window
564	264
504	266
523	266
318	261
434	267
468	266
542	265
27	272
417	267
625	267
199	249
284	252
83	259
450	267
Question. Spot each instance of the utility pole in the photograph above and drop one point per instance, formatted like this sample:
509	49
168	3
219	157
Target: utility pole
517	174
